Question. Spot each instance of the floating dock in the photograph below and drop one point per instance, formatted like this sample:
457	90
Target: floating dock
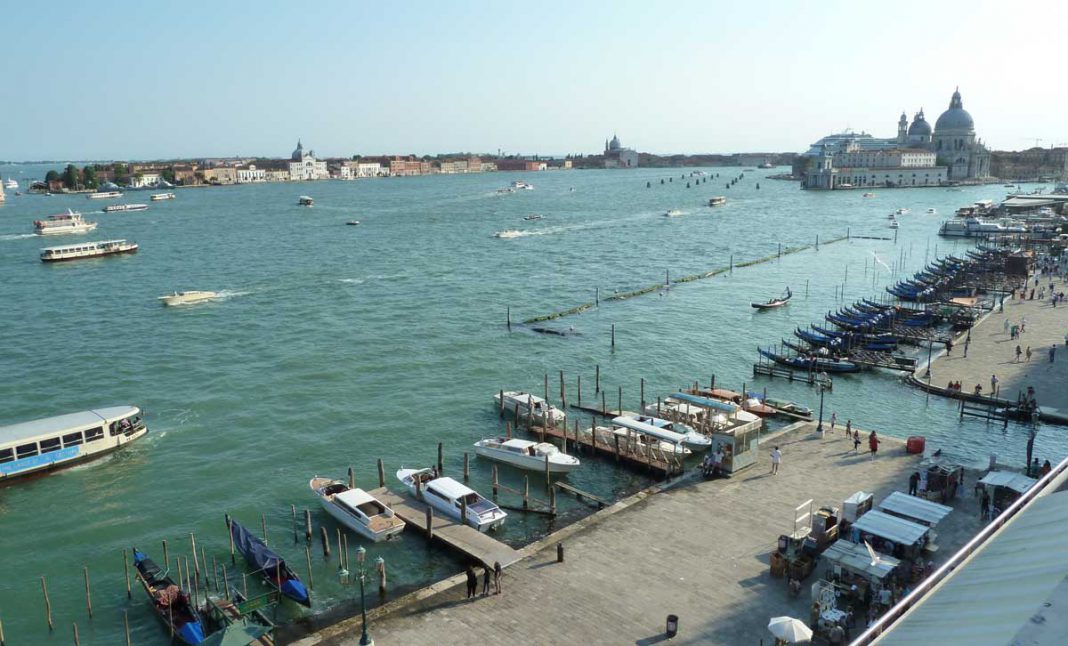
464	539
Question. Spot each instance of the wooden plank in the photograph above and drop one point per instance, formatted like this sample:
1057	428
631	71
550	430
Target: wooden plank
467	540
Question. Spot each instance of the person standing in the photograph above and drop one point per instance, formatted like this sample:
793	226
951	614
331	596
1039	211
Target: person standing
1052	353
776	458
849	428
472	582
984	506
1006	325
873	444
856	441
1027	353
485	579
497	571
1019	352
914	483
993	385
834	419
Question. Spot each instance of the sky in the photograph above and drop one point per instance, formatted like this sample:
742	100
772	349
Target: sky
151	80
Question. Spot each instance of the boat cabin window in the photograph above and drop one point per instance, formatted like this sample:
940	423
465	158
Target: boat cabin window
6	455
94	434
124	426
72	439
51	444
371	508
26	450
436	493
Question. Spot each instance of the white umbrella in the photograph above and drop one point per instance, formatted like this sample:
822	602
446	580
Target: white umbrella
789	629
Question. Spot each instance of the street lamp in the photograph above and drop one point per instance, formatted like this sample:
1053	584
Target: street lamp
361	555
930	350
819	427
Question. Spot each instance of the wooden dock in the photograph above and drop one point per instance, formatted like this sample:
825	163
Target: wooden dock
613	446
464	539
773	370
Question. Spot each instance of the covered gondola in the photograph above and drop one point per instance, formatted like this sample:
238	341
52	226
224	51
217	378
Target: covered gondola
274	570
811	363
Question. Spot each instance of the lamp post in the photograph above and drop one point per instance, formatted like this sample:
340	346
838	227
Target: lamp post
930	350
819	427
361	571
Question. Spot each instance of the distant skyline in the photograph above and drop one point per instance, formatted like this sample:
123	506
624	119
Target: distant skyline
126	80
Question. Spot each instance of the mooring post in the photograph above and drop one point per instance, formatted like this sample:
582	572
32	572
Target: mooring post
293	510
578	386
48	604
167	555
500	406
548	480
193	548
847	234
340	551
326	541
509	317
76	642
604	405
307	560
597	296
552	501
215	571
381	565
345	542
619	409
467	472
597	379
545	392
817	242
495	482
658	405
508	430
732	263
617	446
441	465
463	510
125	627
125	573
563	392
429	521
307	525
780	250
88	593
226	584
381	473
643	396
526	492
613	336
352	479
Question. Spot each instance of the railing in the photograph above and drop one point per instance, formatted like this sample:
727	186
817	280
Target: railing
943	572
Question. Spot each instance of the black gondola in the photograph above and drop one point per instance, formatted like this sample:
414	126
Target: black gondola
171	604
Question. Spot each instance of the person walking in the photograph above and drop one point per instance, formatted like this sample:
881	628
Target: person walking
849	428
1027	352
1006	325
776	458
914	483
1019	352
993	385
856	442
873	444
472	582
834	419
497	571
1052	353
485	579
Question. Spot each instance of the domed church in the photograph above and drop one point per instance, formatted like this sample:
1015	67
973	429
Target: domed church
952	140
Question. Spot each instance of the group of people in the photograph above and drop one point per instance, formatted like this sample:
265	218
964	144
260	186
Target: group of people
472	580
712	463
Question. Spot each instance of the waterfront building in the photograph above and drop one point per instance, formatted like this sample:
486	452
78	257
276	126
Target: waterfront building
848	159
220	175
1033	163
371	169
141	180
249	174
616	156
276	175
303	166
527	165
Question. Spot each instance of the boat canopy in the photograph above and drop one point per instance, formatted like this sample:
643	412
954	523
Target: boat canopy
1015	481
353	497
648	429
64	423
259	556
450	488
705	402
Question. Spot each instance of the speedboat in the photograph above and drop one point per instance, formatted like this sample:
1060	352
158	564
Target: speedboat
673	213
718	200
304	200
526	454
520	185
187	298
526	404
932	211
69	222
158	197
449	496
353	223
508	233
10	183
868	195
690	437
901	212
533	216
356	509
170	602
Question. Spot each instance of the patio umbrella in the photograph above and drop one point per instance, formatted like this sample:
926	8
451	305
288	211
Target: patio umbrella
789	629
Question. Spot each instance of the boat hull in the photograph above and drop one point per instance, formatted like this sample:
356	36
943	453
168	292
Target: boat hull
62	459
95	255
187	299
528	463
58	231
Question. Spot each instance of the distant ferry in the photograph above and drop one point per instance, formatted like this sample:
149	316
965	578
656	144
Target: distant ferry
162	196
104	195
65	440
97	249
766	165
69	222
112	208
718	200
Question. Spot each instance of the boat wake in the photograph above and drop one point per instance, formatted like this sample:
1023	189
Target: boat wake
880	261
231	293
372	277
17	236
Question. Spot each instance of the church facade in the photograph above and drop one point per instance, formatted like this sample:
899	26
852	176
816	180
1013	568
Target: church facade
616	156
304	165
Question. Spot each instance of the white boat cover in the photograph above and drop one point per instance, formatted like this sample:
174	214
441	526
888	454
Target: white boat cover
924	511
649	429
353	497
892	528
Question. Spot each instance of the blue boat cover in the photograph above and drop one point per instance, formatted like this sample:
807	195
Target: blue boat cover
258	555
191	632
705	401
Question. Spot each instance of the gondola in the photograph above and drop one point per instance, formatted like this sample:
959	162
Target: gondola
269	565
171	604
775	302
811	363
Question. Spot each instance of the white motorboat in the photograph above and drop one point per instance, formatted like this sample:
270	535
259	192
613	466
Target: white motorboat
932	211
642	434
104	195
976	227
449	497
526	454
64	440
718	200
690	437
69	222
527	404
673	213
520	185
533	216
112	208
304	200
902	212
353	223
508	234
187	298
82	250
868	195
10	183
356	509
159	197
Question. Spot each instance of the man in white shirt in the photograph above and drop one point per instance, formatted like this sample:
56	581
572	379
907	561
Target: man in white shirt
776	458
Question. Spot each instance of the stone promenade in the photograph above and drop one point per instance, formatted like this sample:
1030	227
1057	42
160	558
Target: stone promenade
700	551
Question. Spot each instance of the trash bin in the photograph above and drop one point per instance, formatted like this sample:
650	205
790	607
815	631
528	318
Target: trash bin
672	625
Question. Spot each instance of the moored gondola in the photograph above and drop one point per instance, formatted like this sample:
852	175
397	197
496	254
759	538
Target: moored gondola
273	568
171	604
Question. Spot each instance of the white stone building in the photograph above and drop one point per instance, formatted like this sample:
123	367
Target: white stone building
304	166
249	174
141	180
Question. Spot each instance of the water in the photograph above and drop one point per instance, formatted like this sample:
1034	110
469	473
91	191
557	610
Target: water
335	345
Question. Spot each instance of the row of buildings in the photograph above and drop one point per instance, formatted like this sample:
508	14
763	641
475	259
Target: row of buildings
918	156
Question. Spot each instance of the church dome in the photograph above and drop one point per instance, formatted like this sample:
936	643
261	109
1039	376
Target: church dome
919	126
956	117
614	144
298	153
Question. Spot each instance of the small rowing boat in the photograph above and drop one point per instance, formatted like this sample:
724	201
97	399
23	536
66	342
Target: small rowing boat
774	302
273	568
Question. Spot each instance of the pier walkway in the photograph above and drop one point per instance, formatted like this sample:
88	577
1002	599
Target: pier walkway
699	550
464	539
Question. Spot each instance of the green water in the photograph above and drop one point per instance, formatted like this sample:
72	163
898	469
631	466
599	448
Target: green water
336	345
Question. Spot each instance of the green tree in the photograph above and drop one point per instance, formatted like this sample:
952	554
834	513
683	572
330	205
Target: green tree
168	174
72	177
51	176
89	177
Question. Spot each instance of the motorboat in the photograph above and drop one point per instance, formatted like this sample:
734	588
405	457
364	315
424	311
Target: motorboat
789	407
450	497
83	250
508	234
69	222
112	208
357	509
520	185
353	223
187	298
169	601
690	437
766	166
304	200
526	454
533	216
971	227
902	212
66	440
932	211
718	200
526	404
275	572
159	197
774	302
637	436
10	183
868	195
673	213
104	195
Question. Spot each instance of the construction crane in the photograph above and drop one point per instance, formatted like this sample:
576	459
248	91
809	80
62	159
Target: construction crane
1036	140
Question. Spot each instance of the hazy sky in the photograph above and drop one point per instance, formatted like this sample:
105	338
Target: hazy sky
150	79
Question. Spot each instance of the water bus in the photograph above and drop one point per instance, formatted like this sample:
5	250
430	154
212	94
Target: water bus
97	249
104	195
112	208
69	222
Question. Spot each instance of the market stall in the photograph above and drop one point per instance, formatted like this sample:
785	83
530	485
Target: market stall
1005	487
891	535
942	482
914	508
855	575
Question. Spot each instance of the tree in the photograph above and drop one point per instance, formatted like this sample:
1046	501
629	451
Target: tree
72	177
168	174
89	177
51	176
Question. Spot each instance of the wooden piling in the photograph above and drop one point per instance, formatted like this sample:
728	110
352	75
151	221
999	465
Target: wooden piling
88	593
311	574
76	642
381	473
617	446
642	411
526	492
381	578
548	479
340	553
429	522
508	430
500	408
48	604
125	573
597	379
345	542
463	510
230	533
545	392
226	583
613	336
467	466
552	501
2	642
579	387
125	628
732	263
495	485
193	547
563	392
263	523
441	465
204	560
619	409
307	526
244	585
167	555
509	315
597	296
352	479
325	540
215	572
